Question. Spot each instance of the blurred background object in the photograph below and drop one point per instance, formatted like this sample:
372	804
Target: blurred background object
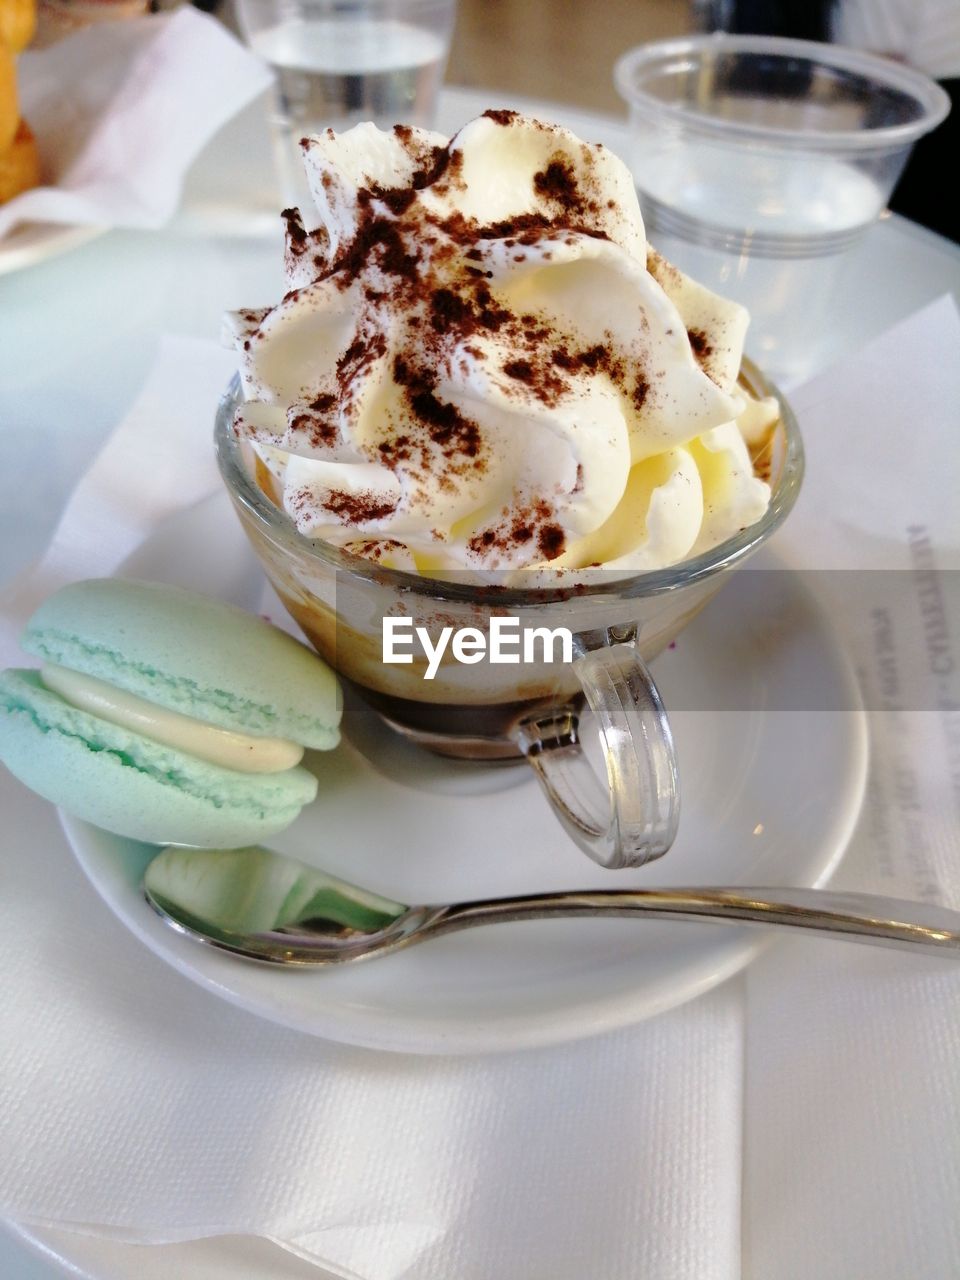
923	34
558	50
18	20
564	51
761	161
338	63
799	19
19	161
58	18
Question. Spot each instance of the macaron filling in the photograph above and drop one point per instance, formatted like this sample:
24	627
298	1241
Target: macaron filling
223	747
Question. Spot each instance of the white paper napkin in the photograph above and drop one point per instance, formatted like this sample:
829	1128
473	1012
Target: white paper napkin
157	462
852	1152
121	109
135	1105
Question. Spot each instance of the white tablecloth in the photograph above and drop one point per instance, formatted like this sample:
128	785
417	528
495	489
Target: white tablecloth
808	1130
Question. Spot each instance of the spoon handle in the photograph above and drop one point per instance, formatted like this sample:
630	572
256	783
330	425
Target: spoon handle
856	917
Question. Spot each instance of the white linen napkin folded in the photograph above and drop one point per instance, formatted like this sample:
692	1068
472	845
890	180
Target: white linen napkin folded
121	109
136	1105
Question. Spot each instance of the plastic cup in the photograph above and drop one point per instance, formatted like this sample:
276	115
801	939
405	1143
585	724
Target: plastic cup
760	162
341	62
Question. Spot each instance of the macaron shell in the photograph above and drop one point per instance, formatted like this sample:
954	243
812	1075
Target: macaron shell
131	785
192	654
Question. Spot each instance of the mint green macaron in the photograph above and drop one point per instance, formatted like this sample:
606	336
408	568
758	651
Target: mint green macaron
184	653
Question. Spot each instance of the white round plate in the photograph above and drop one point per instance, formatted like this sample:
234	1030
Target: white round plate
34	242
770	796
91	1257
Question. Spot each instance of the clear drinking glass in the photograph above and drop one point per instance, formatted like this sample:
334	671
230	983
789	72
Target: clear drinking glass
340	62
529	710
760	161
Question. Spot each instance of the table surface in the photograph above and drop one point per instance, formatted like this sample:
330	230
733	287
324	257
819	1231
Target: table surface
78	332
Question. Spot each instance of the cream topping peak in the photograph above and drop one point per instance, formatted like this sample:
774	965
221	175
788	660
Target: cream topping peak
479	363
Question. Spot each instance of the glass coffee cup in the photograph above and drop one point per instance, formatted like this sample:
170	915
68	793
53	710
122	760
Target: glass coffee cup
465	705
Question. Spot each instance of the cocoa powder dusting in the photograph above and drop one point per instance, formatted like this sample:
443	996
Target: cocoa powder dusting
700	344
459	438
520	369
448	311
558	182
501	117
519	527
357	508
294	230
316	430
378	240
551	541
446	424
443	163
397	199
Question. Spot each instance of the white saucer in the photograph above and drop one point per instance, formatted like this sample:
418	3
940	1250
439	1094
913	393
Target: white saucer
770	796
33	242
97	1257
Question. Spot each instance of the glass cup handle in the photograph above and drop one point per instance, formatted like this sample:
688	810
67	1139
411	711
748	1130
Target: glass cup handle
634	818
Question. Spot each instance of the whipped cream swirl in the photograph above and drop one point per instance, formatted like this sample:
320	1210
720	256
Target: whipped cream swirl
481	364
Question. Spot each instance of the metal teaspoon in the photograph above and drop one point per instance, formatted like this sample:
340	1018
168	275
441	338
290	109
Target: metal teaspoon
271	907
